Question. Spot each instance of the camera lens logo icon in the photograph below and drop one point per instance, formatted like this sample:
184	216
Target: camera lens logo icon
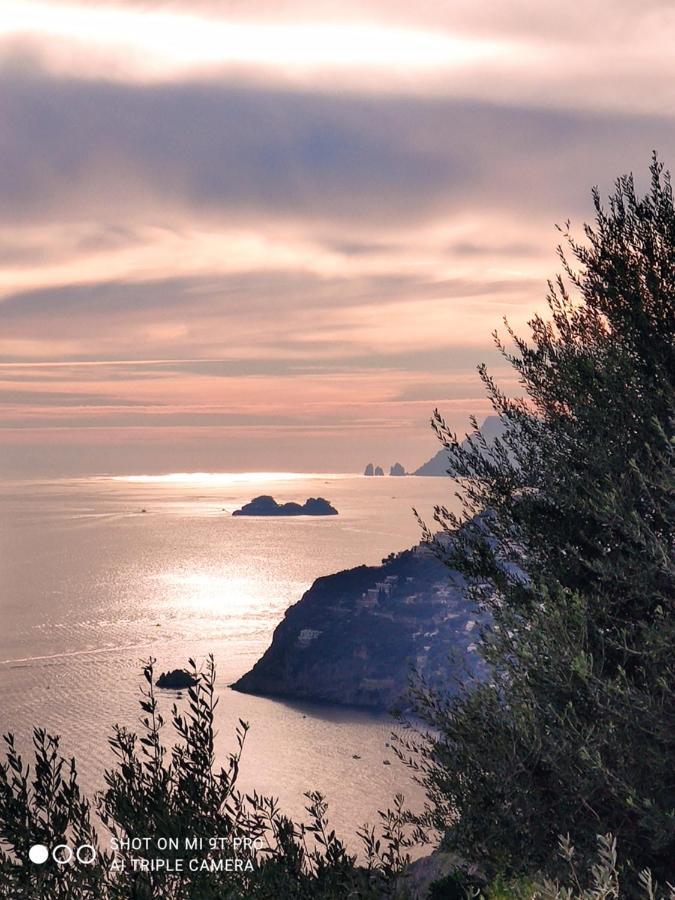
62	854
38	854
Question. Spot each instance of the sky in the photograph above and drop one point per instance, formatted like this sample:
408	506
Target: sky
271	235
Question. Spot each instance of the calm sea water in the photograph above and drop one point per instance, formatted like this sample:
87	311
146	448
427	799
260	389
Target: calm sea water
91	585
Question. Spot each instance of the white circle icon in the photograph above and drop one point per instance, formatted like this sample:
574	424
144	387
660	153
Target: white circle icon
38	854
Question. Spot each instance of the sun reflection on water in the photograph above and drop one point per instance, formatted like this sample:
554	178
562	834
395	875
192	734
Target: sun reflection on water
223	595
222	478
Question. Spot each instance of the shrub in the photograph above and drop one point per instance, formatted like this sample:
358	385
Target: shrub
178	793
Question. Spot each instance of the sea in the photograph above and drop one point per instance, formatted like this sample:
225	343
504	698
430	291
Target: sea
99	574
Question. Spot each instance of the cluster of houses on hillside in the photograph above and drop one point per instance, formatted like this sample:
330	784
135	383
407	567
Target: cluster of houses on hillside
355	635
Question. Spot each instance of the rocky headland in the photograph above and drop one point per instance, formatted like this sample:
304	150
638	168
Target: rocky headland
439	464
354	636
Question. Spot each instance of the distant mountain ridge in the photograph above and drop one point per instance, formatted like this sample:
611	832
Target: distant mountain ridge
439	464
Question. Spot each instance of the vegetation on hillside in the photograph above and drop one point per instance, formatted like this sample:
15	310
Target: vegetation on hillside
575	730
245	846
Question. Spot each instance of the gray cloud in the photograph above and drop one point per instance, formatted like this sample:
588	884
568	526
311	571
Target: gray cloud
57	311
63	399
72	148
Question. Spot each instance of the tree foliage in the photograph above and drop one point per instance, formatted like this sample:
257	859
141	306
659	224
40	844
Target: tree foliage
566	537
173	796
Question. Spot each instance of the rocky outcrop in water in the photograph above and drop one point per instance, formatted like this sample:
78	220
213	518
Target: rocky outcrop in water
176	679
373	470
354	636
268	506
396	469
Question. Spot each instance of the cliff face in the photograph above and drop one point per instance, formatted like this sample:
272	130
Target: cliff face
440	463
354	636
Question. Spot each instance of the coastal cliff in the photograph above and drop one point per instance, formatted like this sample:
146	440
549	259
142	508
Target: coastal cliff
439	464
354	636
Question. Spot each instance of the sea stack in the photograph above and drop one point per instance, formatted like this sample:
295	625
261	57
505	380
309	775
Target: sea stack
369	470
397	469
379	470
176	679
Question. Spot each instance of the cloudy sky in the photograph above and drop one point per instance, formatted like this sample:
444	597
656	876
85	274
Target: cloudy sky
274	235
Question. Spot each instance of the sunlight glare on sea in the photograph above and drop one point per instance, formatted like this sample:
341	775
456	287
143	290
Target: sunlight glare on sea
101	573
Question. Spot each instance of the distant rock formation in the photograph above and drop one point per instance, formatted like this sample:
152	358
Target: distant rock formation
396	469
176	679
377	470
439	465
316	506
354	636
268	506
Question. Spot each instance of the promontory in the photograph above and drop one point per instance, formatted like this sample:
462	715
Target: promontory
355	636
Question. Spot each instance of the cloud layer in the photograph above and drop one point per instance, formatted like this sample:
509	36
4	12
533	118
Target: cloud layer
287	262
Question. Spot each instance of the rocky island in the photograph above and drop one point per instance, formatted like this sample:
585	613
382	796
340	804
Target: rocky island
354	636
268	506
176	679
